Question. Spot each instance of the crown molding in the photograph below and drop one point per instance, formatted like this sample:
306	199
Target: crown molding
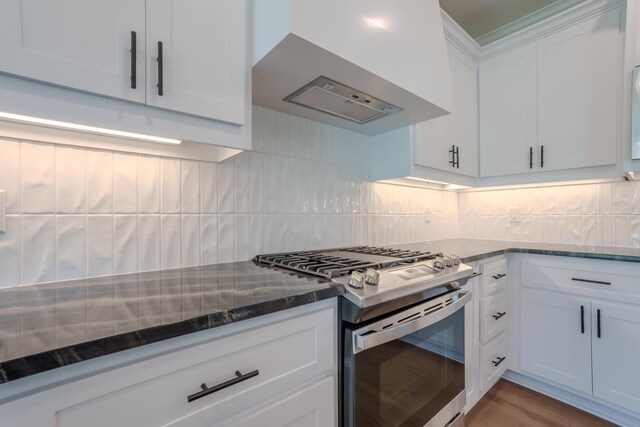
457	36
533	32
569	17
526	21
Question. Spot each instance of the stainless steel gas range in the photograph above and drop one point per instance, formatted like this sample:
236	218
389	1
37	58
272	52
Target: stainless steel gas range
402	332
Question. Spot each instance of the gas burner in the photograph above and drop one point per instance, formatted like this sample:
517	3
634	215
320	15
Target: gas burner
334	263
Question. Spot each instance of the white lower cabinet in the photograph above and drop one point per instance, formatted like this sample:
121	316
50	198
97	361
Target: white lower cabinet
289	364
313	406
580	329
493	361
616	354
486	327
554	346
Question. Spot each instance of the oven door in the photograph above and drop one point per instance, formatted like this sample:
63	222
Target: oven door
407	369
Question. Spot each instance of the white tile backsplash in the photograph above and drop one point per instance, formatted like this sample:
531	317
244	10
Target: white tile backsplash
71	256
225	187
10	175
100	245
190	240
148	185
99	182
10	256
170	186
595	214
77	212
171	241
38	248
190	186
149	242
71	180
38	178
125	183
125	244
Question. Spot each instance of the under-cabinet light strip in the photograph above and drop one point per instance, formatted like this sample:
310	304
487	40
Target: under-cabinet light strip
83	128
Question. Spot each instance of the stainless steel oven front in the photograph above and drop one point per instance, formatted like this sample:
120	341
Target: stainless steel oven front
407	368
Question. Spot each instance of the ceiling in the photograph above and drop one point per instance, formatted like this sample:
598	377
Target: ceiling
490	20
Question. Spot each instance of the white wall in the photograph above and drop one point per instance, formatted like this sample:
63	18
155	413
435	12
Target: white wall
605	214
82	212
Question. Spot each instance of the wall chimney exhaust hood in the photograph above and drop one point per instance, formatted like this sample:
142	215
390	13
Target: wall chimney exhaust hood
370	66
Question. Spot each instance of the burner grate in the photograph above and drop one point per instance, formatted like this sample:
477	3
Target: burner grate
323	264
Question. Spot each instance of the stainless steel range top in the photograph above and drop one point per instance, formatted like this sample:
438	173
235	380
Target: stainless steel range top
373	275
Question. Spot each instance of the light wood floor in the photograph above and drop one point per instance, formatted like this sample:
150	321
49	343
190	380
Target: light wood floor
510	405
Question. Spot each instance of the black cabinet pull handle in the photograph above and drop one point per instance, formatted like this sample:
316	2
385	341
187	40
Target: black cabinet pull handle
474	275
160	84
134	54
497	363
530	157
499	315
498	276
458	157
582	319
542	156
208	390
452	162
599	324
597	282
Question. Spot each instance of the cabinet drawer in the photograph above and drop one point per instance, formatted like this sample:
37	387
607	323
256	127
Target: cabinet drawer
587	276
154	392
493	361
313	406
493	316
494	277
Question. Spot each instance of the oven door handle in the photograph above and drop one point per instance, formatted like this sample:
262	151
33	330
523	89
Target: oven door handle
365	338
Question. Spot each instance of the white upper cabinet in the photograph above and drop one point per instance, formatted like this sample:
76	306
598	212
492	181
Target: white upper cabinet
508	103
450	143
554	105
96	63
82	44
202	71
579	108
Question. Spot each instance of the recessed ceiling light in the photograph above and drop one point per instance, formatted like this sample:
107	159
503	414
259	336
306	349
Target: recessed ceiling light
83	128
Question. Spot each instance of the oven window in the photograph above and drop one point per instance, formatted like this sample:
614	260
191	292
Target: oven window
406	382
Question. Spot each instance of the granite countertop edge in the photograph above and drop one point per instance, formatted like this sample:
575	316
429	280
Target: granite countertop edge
22	367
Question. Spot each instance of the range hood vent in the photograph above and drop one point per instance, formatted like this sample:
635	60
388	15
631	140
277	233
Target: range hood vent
331	97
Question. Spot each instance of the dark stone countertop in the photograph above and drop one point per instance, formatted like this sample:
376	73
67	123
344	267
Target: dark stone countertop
43	327
474	250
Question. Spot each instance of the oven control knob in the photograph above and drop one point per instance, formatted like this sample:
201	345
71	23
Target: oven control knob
356	280
371	277
439	263
455	285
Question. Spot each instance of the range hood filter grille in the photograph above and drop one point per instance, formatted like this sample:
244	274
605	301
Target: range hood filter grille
334	98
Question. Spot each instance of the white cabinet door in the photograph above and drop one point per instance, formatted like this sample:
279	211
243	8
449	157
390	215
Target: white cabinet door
203	57
554	343
464	118
435	138
508	123
434	143
579	92
82	44
314	406
616	352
